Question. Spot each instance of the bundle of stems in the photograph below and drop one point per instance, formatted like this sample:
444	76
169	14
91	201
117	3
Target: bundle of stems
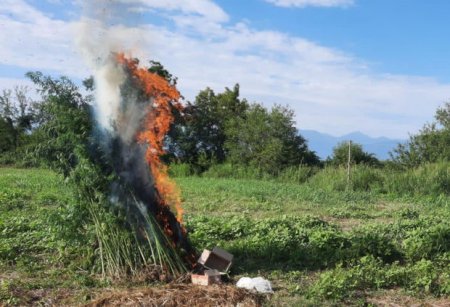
126	250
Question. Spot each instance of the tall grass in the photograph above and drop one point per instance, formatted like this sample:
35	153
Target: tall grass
430	180
181	170
228	170
297	174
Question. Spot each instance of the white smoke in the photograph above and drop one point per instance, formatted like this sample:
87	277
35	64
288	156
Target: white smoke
98	45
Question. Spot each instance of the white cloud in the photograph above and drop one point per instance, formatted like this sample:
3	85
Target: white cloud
329	90
305	3
10	83
204	8
32	40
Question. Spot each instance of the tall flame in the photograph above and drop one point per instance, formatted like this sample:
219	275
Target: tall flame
165	98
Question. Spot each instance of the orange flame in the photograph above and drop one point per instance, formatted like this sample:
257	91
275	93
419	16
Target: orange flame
157	124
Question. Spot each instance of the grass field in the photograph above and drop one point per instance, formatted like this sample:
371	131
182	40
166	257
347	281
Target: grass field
318	247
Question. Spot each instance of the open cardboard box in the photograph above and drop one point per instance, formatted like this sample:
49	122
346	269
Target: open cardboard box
216	262
217	259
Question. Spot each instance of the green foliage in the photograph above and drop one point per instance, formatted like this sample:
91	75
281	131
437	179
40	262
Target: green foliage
402	246
200	133
312	243
266	139
17	119
158	68
422	277
7	135
65	123
65	144
228	170
428	179
330	179
181	170
427	241
357	155
222	127
430	145
297	174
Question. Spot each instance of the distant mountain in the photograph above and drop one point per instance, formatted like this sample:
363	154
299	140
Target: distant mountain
323	143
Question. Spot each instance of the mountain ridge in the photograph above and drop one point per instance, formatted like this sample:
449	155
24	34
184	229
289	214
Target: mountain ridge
323	143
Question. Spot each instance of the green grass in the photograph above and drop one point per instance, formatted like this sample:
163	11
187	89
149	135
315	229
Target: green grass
38	249
319	246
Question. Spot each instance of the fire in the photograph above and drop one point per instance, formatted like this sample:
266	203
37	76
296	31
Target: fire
165	97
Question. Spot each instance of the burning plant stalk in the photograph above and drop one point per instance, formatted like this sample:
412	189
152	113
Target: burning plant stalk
130	144
133	110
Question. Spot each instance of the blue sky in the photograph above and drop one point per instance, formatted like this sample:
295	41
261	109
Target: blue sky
395	36
377	66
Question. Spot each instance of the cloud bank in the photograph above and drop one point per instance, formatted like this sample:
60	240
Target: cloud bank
330	91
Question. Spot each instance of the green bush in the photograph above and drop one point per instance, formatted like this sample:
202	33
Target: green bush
376	241
428	241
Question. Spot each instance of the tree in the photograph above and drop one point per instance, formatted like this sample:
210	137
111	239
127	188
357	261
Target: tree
431	144
267	140
17	115
7	135
198	136
64	121
357	154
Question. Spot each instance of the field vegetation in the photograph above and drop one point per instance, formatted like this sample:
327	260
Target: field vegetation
249	184
317	243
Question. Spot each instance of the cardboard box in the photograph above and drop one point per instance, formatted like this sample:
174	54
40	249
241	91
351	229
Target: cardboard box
217	259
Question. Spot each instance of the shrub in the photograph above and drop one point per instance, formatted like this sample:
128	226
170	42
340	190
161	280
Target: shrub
428	241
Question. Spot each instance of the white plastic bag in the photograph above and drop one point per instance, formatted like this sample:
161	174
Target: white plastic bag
258	284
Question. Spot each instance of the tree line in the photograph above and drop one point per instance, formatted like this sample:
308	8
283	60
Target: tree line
214	128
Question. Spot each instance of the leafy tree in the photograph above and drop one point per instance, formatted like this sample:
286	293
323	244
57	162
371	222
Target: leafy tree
267	140
198	136
431	144
17	115
7	135
64	121
357	154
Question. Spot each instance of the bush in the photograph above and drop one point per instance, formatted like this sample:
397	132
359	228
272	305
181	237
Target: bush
376	241
428	241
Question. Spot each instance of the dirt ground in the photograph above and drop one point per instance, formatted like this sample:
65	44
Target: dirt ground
180	295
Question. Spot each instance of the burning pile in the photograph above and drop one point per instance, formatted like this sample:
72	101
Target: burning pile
134	108
138	225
